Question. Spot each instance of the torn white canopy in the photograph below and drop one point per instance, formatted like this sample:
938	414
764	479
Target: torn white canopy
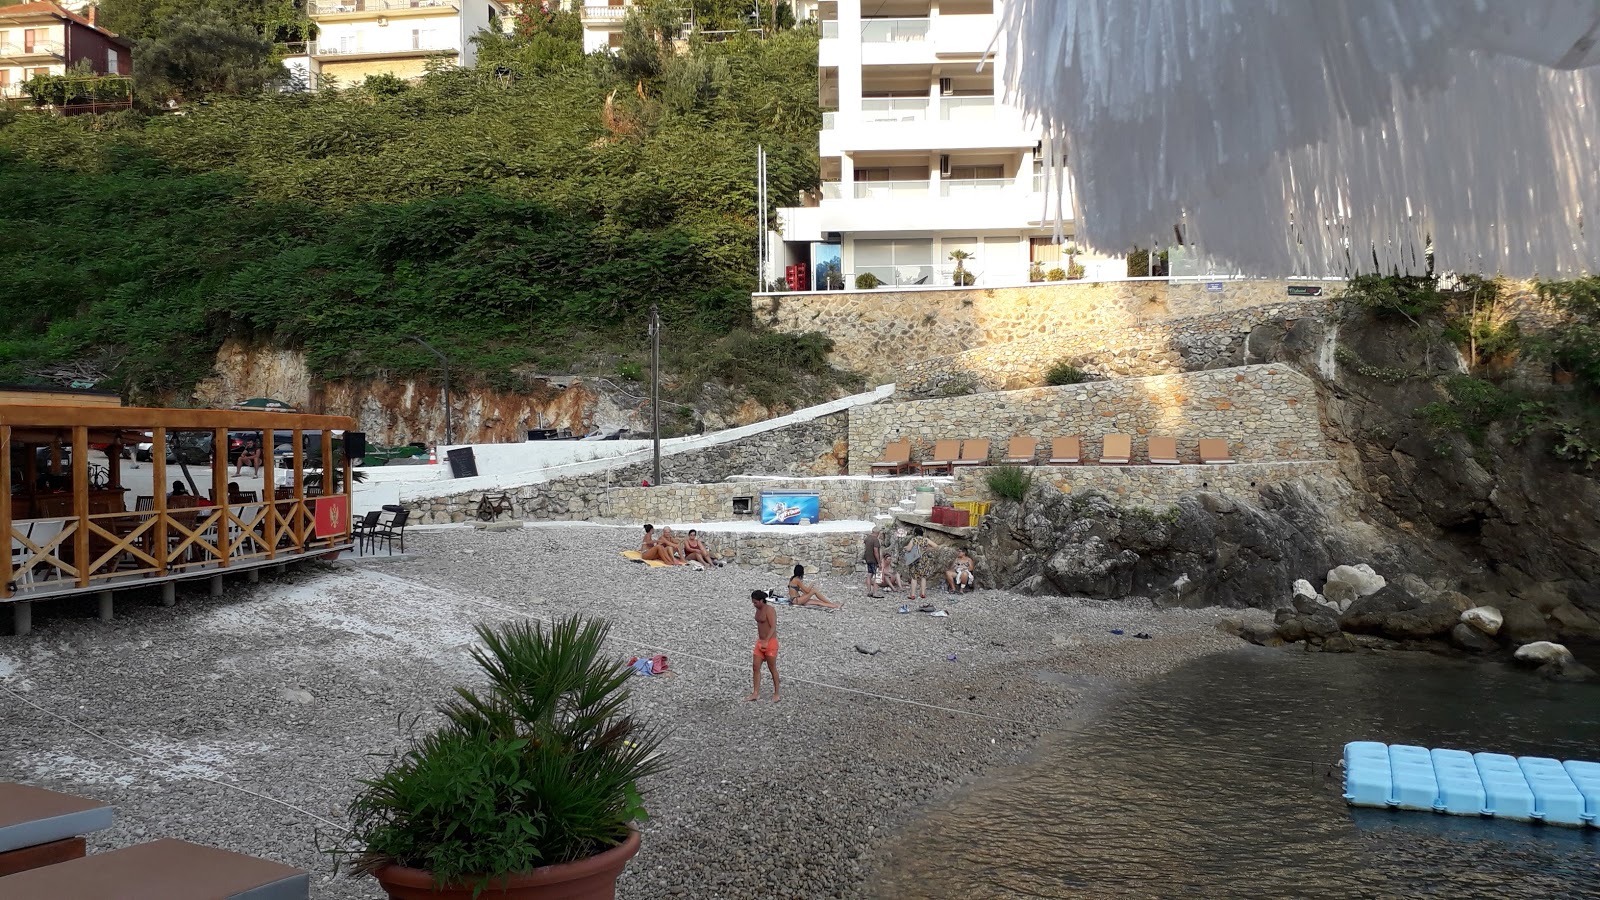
1306	135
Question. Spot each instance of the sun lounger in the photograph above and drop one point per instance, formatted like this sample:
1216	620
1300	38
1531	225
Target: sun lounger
1116	450
161	870
42	828
896	458
1214	452
1164	451
1020	450
974	452
1066	451
944	456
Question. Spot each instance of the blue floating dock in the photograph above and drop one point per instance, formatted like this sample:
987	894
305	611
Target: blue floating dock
1525	789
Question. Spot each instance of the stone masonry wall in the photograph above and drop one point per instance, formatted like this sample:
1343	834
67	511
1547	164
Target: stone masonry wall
784	546
1153	486
839	498
1178	345
817	447
1266	413
877	332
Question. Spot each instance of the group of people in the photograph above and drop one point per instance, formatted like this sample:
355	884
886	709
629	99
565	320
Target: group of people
920	564
663	546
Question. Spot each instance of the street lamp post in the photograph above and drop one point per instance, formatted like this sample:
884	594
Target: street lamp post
444	362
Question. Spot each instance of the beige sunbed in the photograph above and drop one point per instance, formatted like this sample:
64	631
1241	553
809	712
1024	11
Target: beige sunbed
1164	451
1066	451
1214	452
42	828
943	457
974	452
1020	450
896	457
161	870
1116	450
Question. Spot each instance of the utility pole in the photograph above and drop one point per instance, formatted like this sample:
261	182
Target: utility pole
444	361
655	394
761	218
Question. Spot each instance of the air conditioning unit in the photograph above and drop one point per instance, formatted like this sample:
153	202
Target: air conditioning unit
945	87
944	165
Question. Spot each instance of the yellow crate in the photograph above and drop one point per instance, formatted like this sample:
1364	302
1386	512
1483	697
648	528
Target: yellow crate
977	508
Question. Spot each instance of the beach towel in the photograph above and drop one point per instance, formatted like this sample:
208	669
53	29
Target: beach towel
635	556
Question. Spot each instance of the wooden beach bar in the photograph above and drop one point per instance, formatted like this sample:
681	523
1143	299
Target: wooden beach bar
74	529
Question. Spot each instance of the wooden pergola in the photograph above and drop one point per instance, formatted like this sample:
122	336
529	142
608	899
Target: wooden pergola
73	532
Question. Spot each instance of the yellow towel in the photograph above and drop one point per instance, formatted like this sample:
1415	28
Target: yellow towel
633	555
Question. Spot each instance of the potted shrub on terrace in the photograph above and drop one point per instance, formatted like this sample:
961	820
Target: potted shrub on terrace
530	787
963	278
866	281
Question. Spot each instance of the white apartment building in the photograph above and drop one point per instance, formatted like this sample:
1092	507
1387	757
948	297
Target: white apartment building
602	20
920	157
357	38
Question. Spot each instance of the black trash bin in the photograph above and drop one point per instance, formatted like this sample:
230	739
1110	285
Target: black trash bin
462	463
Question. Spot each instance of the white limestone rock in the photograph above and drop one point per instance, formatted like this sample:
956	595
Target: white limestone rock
1486	619
1361	577
1539	653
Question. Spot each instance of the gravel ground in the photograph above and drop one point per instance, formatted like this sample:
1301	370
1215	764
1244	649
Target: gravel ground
297	687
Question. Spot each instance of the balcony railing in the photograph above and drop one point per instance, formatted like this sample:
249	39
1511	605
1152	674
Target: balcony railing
424	44
830	118
894	109
891	190
893	31
966	109
896	276
961	187
830	28
37	48
332	7
604	13
832	190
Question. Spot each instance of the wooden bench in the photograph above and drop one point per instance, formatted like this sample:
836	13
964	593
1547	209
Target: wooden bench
42	828
161	870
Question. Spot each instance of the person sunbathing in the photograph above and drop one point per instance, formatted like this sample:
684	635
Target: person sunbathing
802	594
696	551
652	547
674	545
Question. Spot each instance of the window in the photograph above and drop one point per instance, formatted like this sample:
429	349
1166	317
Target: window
111	61
29	35
900	261
42	70
960	172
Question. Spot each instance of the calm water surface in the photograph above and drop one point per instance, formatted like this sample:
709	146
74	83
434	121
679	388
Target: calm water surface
1189	787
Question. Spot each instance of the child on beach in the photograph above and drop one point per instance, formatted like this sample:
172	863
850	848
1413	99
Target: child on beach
766	645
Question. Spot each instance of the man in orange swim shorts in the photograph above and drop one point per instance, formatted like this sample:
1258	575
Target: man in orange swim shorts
766	645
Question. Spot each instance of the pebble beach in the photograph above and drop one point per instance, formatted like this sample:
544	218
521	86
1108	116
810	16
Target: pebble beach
246	721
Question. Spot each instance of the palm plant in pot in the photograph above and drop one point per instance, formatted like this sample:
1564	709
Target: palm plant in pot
529	789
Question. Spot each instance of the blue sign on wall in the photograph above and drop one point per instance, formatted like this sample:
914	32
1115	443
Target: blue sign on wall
1213	287
789	508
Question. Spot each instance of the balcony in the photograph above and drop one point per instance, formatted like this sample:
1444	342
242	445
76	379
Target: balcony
891	190
894	31
894	109
354	50
358	8
604	15
34	50
895	276
966	109
965	187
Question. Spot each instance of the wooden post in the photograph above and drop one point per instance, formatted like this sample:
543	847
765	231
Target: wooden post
30	469
326	490
219	489
297	529
5	504
55	456
114	465
158	499
80	500
349	492
269	492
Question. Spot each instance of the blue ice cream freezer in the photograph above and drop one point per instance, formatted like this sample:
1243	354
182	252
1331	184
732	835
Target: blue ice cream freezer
790	507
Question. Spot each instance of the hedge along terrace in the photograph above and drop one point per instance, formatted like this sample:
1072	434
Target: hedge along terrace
513	221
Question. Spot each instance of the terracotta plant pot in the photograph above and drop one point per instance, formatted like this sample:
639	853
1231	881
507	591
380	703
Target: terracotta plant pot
594	878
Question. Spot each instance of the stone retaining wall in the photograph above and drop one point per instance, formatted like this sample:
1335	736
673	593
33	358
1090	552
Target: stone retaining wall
1266	413
877	332
1178	345
839	498
1153	486
784	547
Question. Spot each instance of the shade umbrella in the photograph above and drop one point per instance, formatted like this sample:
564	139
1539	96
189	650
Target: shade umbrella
1294	136
263	404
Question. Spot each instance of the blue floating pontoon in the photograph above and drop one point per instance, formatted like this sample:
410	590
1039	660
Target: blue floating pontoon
1528	788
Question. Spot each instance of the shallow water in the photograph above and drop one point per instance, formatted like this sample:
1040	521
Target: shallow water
1221	780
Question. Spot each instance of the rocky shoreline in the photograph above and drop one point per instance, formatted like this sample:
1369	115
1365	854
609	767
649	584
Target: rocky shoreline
298	687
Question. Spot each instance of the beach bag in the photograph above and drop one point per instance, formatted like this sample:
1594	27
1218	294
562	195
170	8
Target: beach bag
913	553
658	664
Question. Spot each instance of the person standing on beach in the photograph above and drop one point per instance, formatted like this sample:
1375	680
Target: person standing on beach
872	553
766	645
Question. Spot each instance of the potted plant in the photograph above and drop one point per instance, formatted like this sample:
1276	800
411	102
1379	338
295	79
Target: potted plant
529	789
1057	274
963	278
866	281
1036	271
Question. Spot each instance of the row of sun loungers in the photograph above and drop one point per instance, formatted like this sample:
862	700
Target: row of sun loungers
42	858
1115	450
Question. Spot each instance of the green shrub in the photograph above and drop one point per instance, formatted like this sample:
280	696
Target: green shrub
866	281
1036	271
1138	263
1057	274
1009	482
540	767
964	279
1075	271
1063	372
628	370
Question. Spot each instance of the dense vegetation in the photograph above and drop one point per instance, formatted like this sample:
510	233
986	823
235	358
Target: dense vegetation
522	216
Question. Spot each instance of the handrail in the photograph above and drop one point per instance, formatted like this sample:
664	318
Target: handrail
334	7
894	31
891	189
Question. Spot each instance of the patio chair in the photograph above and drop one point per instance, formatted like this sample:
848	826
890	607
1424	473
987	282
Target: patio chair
42	828
1020	451
942	459
169	869
1163	451
40	532
1066	451
896	457
974	452
388	532
144	502
1214	452
1116	450
361	531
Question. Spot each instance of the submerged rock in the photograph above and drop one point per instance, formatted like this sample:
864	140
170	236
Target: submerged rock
1469	638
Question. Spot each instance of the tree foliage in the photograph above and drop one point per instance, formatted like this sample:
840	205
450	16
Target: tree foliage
277	21
521	222
202	54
